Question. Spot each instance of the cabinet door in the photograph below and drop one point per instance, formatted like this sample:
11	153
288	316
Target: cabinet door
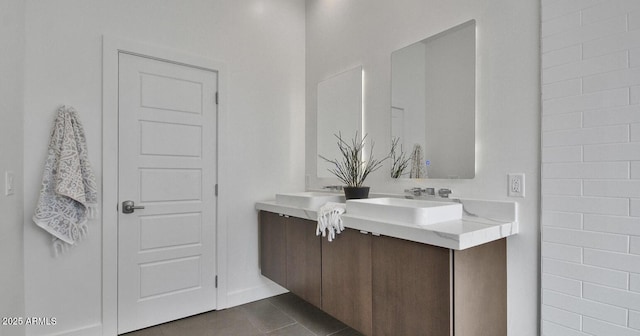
346	279
481	290
411	288
273	262
304	261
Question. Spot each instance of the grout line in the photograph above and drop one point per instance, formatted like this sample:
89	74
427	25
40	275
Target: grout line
280	328
339	331
283	312
307	329
161	330
303	325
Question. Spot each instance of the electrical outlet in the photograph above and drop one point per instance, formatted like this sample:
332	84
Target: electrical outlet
516	185
9	183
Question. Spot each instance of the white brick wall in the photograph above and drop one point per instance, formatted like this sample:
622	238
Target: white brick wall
590	167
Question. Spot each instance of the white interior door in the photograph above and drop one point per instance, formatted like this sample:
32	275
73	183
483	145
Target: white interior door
167	164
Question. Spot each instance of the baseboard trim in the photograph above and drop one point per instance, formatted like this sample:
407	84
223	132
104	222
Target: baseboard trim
235	298
90	330
247	295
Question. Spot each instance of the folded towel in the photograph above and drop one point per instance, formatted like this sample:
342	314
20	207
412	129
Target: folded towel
330	220
69	193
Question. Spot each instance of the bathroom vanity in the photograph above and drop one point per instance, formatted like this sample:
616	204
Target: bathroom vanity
385	278
401	267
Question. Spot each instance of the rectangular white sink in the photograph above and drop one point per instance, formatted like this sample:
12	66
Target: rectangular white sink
308	199
404	211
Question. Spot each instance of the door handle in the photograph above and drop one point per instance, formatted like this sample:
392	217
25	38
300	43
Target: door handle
129	206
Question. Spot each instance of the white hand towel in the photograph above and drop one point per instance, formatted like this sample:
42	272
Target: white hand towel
330	220
69	193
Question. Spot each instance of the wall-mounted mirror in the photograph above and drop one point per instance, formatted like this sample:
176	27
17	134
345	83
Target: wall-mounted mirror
433	85
339	111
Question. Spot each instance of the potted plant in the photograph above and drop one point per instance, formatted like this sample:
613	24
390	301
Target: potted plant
351	168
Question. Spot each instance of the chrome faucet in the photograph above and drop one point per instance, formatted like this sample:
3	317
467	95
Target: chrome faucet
415	192
444	192
420	191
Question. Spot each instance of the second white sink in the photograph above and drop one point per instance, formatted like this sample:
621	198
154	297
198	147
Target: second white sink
404	211
308	199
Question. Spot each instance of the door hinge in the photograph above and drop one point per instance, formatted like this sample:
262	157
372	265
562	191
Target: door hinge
216	97
216	189
216	281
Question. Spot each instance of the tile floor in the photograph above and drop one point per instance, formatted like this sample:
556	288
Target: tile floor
283	315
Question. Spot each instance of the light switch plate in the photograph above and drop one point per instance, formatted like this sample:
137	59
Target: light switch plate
9	183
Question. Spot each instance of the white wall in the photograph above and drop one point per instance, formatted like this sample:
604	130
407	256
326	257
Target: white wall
591	167
344	34
262	44
11	130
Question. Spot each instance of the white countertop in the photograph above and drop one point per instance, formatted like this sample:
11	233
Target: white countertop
491	220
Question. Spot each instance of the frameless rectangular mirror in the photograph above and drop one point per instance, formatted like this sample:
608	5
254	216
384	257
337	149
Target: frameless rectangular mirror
339	111
433	85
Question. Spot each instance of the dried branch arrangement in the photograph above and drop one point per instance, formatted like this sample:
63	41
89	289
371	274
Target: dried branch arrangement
350	168
399	161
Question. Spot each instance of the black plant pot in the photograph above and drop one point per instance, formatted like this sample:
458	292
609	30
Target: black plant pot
356	192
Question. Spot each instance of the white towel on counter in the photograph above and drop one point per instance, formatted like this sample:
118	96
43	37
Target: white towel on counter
330	220
69	193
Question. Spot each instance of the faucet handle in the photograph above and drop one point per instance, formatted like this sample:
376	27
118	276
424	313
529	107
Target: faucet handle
444	192
417	191
414	191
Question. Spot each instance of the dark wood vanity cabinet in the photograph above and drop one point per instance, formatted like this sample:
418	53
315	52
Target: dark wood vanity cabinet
304	276
290	255
480	290
420	289
381	285
273	254
347	280
411	288
386	286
